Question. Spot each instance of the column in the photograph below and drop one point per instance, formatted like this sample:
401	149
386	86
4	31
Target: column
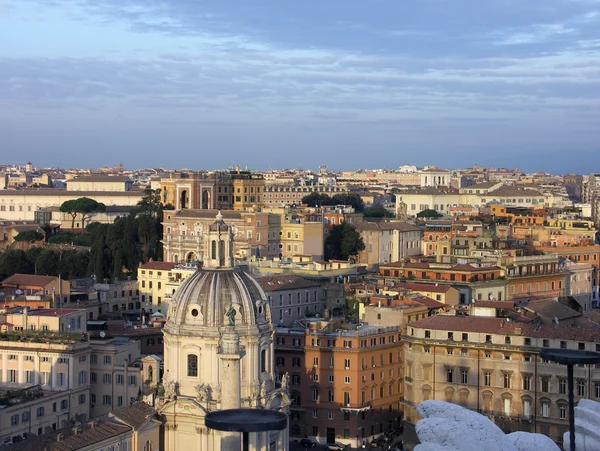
229	358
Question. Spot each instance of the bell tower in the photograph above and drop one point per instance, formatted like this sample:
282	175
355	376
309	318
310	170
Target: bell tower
218	245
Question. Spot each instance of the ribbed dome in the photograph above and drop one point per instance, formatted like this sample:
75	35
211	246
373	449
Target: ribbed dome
204	298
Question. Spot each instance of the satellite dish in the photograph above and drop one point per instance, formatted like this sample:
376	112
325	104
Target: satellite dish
19	292
102	334
556	320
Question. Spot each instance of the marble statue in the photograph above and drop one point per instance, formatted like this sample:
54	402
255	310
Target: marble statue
450	427
587	433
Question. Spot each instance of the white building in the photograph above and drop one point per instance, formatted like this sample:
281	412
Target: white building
218	353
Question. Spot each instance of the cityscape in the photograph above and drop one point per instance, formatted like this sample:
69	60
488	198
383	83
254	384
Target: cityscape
280	226
137	302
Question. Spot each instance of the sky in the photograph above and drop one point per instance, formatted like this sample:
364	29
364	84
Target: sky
272	84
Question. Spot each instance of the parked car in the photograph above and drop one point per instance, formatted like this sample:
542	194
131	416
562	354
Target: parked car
337	446
307	443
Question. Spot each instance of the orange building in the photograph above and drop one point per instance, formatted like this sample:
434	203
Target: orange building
344	380
535	277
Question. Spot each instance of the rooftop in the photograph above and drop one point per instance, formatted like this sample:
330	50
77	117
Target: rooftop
29	279
164	266
499	326
284	282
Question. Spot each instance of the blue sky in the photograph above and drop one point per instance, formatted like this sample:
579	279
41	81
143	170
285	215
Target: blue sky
271	83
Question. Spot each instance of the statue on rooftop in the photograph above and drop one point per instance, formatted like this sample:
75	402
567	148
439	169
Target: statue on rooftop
231	315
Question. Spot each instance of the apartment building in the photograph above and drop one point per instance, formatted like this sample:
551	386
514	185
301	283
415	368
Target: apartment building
44	383
115	374
153	278
277	195
344	380
30	284
291	297
492	366
120	298
535	277
19	319
133	428
437	236
485	282
388	241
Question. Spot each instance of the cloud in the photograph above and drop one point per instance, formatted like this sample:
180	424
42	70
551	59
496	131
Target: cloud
271	65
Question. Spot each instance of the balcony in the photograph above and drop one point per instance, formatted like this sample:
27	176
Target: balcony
355	407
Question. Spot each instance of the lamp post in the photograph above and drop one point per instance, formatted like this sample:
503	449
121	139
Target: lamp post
245	421
570	357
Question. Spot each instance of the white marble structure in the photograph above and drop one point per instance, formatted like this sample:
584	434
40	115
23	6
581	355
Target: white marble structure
218	353
587	427
450	427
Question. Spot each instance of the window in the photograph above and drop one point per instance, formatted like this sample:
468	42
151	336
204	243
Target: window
330	397
192	365
330	415
449	375
107	378
40	412
526	382
562	412
487	378
331	378
63	404
93	377
14	420
506	379
464	376
107	360
82	399
133	381
296	362
25	417
29	377
562	386
82	377
580	387
545	409
60	379
106	400
93	358
315	377
315	395
347	364
465	337
545	384
346	379
119	401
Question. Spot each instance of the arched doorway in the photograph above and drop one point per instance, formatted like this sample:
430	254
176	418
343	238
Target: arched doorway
205	200
184	200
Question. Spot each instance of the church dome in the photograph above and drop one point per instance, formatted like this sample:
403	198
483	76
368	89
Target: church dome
204	299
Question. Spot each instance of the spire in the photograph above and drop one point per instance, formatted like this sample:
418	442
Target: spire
218	245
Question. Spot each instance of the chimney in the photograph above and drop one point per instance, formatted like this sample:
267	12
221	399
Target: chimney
93	424
60	437
76	431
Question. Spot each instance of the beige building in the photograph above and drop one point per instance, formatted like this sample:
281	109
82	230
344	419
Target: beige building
44	383
100	183
22	204
157	282
30	284
492	366
115	374
44	320
388	241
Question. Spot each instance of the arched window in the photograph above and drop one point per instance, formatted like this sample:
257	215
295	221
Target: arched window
263	361
213	249
192	365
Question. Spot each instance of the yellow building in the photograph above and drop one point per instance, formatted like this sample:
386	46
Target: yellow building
492	366
153	278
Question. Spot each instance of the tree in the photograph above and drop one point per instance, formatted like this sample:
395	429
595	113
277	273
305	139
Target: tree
29	235
150	203
428	213
48	263
15	261
69	206
378	212
343	242
87	208
315	199
351	199
84	206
